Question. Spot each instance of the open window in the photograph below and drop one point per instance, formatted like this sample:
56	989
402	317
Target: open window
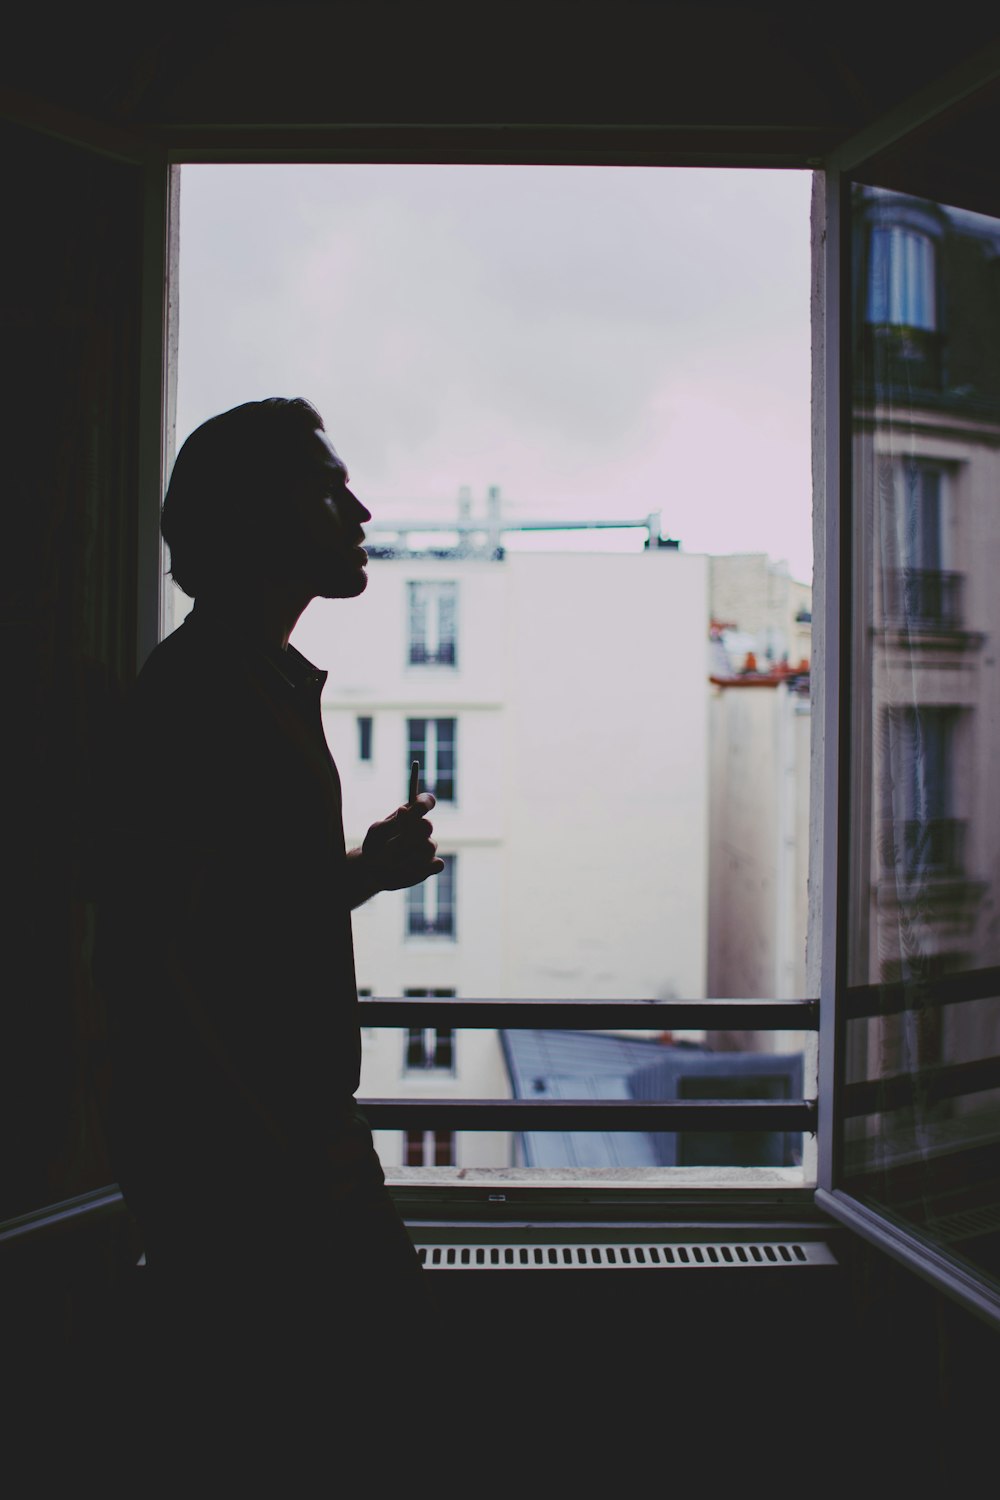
913	986
905	965
562	652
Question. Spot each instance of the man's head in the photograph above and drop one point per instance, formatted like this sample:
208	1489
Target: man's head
260	493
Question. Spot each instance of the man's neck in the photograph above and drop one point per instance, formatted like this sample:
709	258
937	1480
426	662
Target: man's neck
259	612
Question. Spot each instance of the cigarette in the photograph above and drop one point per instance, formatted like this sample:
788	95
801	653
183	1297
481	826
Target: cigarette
414	781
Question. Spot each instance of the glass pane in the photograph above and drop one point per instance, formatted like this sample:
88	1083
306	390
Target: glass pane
576	402
922	1101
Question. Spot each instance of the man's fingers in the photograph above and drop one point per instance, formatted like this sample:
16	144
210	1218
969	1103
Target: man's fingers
415	874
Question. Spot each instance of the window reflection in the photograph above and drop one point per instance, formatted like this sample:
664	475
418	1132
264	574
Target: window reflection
922	1097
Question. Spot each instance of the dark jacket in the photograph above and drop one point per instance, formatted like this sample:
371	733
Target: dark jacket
225	945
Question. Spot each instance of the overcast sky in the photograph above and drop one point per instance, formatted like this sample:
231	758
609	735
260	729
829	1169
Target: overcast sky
599	342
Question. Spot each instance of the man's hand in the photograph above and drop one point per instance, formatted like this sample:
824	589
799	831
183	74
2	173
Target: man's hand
398	851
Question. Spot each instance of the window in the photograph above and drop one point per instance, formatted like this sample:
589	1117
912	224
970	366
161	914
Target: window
430	906
364	737
429	1148
919	593
918	1111
924	838
430	1046
431	742
433	620
919	512
579	657
901	278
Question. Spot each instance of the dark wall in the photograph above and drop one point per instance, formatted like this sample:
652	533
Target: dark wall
69	313
868	1366
854	1379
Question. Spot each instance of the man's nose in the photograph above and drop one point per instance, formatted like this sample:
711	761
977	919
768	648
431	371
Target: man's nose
364	514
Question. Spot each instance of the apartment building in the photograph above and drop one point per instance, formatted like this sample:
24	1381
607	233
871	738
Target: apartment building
572	808
758	606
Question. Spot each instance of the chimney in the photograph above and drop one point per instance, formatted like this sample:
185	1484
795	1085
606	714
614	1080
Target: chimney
465	502
493	521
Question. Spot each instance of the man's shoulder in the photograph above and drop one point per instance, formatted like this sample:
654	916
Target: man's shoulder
190	658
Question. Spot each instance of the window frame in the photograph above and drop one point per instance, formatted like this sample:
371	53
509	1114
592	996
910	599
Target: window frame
437	590
419	749
907	259
832	437
432	1143
831	588
429	1047
416	896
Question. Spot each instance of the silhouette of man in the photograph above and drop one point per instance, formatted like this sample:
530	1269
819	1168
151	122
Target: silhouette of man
271	1241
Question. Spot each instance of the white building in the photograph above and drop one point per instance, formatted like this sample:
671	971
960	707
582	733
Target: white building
558	703
759	840
759	799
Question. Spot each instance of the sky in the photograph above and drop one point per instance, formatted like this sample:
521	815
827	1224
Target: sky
599	342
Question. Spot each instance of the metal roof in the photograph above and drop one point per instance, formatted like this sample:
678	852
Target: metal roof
581	1065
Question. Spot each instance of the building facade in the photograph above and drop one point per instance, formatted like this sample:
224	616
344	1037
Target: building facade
557	703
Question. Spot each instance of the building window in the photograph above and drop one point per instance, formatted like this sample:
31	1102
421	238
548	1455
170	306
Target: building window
431	742
367	1032
901	278
919	592
430	906
429	1148
433	623
364	737
430	1047
925	840
919	508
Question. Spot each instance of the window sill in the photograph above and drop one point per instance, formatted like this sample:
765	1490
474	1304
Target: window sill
669	1180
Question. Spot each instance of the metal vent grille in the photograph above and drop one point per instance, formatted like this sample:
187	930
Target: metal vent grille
966	1224
584	1256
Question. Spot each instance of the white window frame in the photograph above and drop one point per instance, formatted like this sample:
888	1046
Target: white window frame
429	1147
431	1038
430	778
429	629
430	896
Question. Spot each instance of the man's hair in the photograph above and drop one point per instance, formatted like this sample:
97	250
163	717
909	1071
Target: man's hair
224	498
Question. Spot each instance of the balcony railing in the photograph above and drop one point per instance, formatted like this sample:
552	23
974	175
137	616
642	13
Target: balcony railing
921	849
527	1114
924	598
602	1114
442	655
443	925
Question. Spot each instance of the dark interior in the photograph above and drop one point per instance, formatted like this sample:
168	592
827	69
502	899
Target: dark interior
863	1367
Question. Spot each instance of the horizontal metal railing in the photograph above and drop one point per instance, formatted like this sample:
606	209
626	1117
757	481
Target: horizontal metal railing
593	1114
924	848
601	1114
922	1088
594	1015
954	987
924	598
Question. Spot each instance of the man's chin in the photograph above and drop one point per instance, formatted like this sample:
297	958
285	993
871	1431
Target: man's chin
345	585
